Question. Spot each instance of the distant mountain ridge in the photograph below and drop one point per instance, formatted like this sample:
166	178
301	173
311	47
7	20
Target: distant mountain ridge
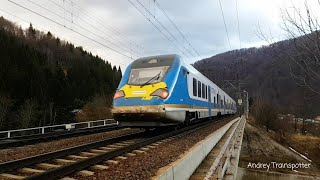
263	73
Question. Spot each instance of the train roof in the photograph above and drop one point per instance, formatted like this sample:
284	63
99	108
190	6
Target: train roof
154	61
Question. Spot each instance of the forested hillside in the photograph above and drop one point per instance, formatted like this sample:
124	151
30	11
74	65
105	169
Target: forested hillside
265	73
42	79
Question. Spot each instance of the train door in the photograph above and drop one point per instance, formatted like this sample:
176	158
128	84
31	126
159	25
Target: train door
209	100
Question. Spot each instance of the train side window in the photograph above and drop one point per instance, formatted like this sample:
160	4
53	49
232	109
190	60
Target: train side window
199	89
227	104
217	99
206	92
214	101
210	93
194	87
203	91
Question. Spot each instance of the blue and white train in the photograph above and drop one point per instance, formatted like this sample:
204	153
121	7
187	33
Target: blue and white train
164	90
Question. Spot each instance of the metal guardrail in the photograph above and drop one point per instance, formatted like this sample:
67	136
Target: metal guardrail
61	127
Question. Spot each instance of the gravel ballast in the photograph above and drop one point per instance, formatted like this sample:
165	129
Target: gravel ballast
146	165
41	148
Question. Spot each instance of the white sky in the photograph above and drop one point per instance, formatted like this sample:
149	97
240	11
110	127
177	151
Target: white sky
200	21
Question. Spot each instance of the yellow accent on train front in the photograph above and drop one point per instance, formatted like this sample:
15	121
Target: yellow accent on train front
133	91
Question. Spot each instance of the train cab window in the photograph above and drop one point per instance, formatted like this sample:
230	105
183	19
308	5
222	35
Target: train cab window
203	90
194	87
199	89
148	75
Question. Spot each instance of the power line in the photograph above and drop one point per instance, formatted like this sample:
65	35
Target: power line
128	48
225	26
176	27
68	28
79	26
238	24
164	27
156	27
48	31
109	28
22	19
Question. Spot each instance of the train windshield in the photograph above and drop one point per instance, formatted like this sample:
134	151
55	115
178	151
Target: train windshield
152	75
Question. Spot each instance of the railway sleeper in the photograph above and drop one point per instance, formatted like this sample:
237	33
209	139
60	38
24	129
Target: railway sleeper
85	173
99	167
77	157
11	176
31	171
48	166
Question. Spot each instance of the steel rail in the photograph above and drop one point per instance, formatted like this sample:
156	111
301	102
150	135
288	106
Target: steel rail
82	164
37	138
20	163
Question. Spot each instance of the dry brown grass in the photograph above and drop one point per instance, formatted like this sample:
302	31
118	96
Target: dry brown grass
91	113
307	145
260	146
98	108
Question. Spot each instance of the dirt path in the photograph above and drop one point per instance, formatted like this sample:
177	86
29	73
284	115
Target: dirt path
258	147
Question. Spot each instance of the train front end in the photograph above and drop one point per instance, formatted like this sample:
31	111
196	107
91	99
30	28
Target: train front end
143	91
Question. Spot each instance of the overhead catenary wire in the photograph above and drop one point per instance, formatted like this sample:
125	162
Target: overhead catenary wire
128	49
45	30
176	27
238	25
166	29
23	20
85	29
224	22
79	33
119	34
156	27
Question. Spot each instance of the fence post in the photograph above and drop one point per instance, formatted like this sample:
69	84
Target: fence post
9	134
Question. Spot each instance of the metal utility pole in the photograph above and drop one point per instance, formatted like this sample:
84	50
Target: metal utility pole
246	103
241	98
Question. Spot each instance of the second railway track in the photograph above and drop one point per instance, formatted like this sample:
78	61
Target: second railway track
64	162
39	138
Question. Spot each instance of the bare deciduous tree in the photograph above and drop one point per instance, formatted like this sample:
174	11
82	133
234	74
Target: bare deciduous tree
302	26
5	104
28	113
303	30
264	113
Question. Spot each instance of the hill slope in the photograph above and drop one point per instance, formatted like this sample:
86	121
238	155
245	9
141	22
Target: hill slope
43	78
265	75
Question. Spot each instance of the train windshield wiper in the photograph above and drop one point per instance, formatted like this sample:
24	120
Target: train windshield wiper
156	76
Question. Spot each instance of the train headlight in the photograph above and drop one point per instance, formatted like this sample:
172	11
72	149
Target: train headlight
118	94
163	93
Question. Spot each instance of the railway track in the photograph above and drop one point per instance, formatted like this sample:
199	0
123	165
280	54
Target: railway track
38	138
95	156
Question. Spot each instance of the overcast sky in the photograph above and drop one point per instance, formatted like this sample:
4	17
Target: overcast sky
117	24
